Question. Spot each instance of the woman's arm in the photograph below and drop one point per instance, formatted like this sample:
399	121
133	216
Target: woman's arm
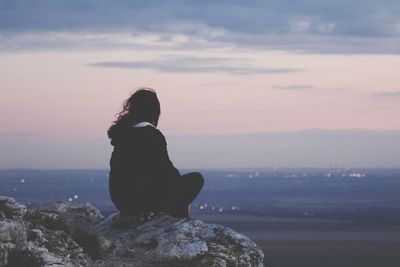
166	167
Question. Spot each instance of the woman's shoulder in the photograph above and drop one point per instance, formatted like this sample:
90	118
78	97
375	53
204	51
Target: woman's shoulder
147	132
156	133
134	135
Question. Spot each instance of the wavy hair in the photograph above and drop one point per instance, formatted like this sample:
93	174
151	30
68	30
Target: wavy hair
142	105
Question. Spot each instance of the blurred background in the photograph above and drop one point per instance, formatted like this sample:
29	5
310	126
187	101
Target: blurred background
289	109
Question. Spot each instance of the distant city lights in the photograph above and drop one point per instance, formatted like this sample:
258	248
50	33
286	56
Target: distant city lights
206	207
358	175
344	173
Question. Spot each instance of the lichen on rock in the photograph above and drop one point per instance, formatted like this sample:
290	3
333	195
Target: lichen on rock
67	234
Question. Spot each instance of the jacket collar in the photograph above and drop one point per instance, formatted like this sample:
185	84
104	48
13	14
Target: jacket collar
143	124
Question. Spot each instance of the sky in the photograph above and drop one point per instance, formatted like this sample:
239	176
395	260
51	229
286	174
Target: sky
284	83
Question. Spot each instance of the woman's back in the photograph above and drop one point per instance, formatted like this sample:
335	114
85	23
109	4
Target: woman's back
140	170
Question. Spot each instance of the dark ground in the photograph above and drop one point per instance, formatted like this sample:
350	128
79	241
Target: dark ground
317	243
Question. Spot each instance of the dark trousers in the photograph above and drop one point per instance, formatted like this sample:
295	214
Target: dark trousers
173	197
185	189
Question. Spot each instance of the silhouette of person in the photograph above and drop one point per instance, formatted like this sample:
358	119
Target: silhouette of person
142	178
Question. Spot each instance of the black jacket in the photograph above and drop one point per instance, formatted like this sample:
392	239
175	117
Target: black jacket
141	173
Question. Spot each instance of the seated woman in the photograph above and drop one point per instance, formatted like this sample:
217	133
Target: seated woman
142	177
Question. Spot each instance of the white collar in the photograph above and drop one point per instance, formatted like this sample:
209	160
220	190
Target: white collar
143	124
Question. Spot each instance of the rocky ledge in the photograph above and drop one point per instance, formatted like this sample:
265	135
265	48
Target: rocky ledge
67	234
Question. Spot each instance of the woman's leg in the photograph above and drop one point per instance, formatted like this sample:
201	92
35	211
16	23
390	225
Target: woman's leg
185	190
178	211
189	186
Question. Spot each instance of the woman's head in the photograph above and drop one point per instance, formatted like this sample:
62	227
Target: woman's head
142	105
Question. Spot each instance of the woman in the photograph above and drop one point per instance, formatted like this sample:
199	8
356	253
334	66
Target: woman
142	177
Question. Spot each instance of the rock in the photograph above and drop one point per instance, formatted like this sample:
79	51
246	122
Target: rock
66	234
168	240
3	255
11	208
85	214
35	235
12	231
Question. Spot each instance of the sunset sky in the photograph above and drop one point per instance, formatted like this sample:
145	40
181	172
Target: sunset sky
242	83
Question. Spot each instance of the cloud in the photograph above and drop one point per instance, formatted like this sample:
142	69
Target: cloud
387	94
356	17
293	87
332	26
195	65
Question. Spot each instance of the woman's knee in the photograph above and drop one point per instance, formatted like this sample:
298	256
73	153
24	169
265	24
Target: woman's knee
198	179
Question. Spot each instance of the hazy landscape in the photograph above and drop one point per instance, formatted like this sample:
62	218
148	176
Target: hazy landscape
241	84
299	217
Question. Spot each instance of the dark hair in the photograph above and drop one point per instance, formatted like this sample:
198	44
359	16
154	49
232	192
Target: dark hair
142	105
